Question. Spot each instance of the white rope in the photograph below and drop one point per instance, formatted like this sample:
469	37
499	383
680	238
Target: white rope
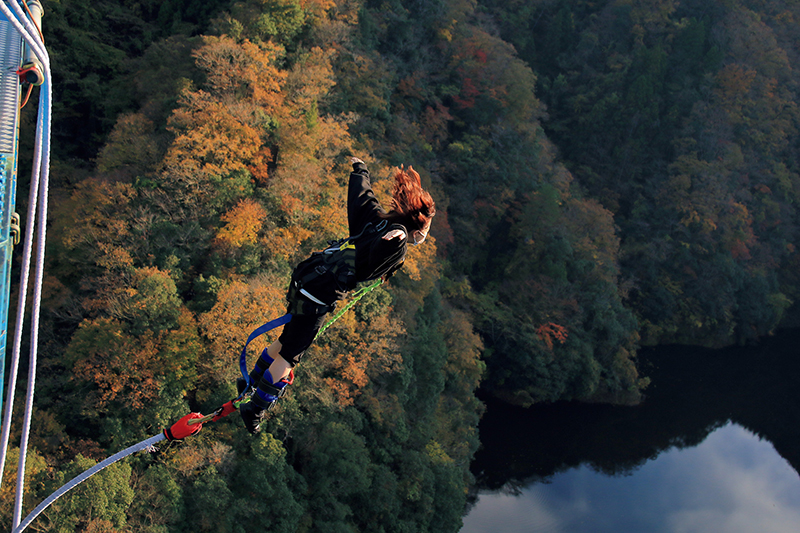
37	298
30	33
39	180
77	480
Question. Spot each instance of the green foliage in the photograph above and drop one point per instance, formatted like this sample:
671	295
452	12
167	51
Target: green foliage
152	303
264	487
103	498
208	498
159	499
425	361
373	304
36	479
660	112
282	20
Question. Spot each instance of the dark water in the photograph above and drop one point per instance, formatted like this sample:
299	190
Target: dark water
714	447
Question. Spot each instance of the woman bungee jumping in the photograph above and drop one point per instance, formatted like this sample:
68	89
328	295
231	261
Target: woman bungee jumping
375	249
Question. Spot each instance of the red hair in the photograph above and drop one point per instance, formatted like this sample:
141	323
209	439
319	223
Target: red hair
412	206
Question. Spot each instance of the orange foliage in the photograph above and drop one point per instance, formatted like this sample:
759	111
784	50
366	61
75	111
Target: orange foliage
734	82
285	242
242	224
92	220
191	457
242	70
353	376
210	141
241	307
323	5
551	331
421	260
311	78
123	367
131	368
366	356
224	127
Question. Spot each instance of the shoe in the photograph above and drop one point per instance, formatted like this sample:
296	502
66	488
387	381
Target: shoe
252	415
241	386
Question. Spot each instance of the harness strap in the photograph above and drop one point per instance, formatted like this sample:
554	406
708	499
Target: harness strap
272	324
350	241
312	297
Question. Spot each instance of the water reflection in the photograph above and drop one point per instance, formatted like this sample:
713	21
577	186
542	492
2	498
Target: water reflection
732	482
698	396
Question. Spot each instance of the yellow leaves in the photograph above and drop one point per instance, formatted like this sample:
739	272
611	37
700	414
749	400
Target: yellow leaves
113	257
332	219
311	78
437	454
421	260
241	307
242	224
593	229
690	217
311	202
464	348
210	140
285	242
35	468
314	5
245	70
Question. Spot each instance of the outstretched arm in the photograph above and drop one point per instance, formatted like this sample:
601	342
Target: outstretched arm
362	205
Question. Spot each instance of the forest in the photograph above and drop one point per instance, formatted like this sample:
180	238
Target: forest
608	174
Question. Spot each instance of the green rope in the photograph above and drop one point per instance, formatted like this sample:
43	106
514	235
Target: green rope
360	293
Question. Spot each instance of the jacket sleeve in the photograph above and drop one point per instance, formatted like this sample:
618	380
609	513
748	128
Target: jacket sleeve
387	256
362	205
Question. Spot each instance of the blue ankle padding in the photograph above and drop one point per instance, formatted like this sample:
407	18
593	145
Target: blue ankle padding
278	387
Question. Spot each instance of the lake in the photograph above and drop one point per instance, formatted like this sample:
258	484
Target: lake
715	446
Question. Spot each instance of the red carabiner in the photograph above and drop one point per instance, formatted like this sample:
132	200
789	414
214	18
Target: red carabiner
184	427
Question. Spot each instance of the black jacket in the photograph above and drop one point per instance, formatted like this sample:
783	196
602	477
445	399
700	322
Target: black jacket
375	256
